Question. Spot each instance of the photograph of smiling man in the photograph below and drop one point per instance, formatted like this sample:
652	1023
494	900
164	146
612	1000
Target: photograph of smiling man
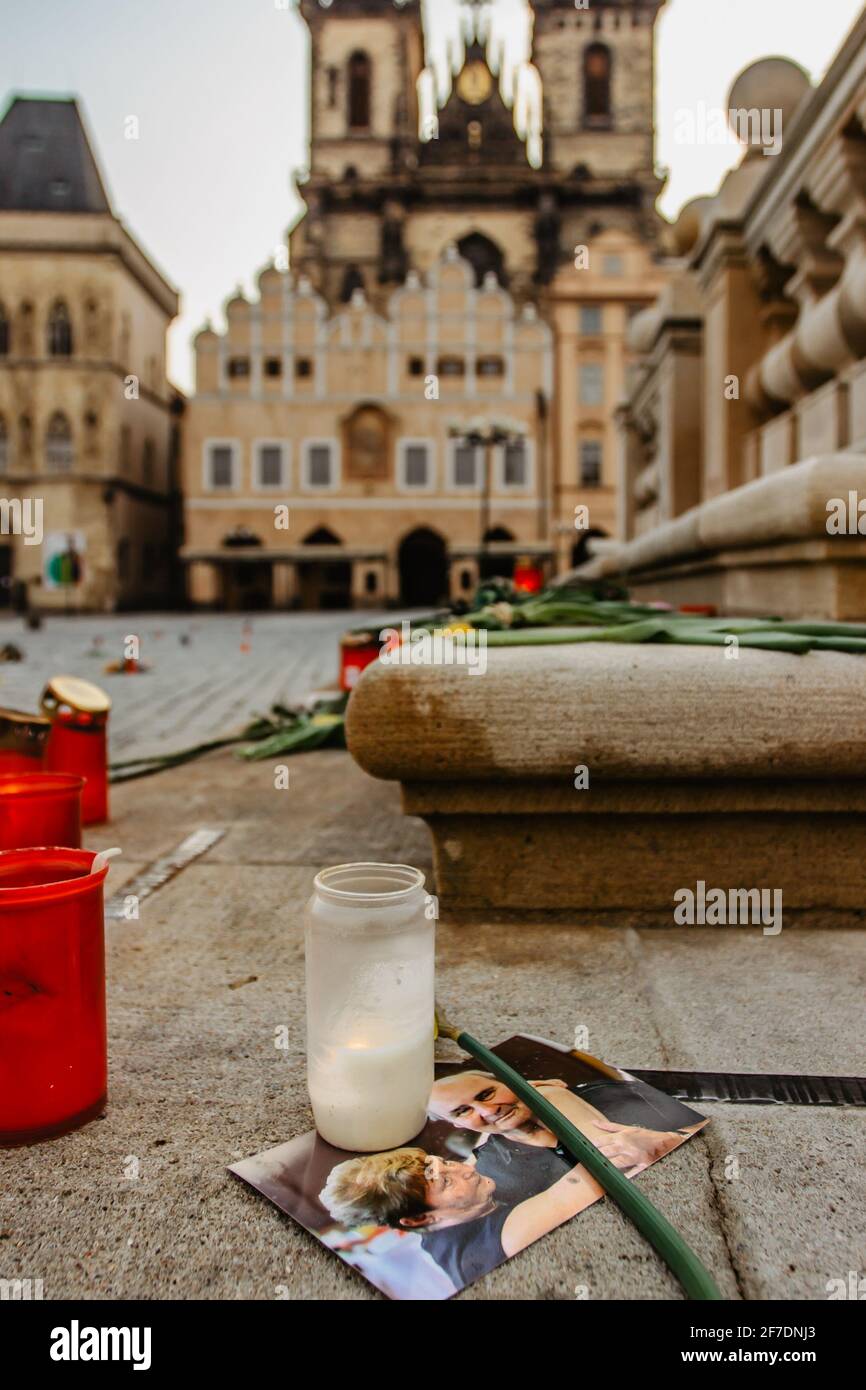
483	1180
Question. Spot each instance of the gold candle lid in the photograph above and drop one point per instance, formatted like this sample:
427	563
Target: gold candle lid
73	693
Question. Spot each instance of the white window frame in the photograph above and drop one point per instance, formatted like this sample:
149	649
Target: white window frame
594	308
235	446
336	466
590	439
285	449
467	489
529	485
403	447
592	405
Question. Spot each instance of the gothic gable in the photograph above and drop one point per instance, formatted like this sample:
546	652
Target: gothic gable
475	127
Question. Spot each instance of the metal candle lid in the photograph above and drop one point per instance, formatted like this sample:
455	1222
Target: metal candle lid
23	733
70	692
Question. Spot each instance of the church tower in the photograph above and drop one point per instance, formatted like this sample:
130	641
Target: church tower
367	56
596	64
366	59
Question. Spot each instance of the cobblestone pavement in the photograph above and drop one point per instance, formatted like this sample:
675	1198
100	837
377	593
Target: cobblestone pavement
209	673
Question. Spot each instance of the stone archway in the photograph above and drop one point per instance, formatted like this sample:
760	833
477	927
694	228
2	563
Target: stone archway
423	564
325	582
246	583
494	566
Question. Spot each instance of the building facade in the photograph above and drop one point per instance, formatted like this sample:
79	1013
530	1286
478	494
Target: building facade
743	443
88	421
375	492
452	280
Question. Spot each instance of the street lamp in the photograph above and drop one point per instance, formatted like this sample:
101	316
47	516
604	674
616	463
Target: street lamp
487	435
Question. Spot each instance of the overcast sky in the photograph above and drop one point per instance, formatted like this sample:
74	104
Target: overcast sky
220	91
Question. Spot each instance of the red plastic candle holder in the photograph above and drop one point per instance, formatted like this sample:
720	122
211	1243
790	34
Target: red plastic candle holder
53	1054
79	745
78	742
355	657
40	808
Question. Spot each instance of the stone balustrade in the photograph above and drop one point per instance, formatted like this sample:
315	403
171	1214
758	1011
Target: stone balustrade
754	357
771	546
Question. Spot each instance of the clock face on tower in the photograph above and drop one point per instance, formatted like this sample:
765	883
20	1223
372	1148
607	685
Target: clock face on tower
475	83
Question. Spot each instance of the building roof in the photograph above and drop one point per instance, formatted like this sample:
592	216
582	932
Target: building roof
46	162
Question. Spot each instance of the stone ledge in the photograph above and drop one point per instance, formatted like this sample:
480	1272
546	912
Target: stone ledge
746	773
627	712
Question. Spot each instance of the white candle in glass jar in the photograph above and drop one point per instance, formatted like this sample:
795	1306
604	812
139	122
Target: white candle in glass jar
370	1005
369	1096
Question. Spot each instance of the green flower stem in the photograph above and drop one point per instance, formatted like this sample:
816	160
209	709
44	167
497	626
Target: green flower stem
679	1257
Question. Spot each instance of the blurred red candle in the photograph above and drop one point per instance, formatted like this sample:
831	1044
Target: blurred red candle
40	808
78	742
357	652
53	1057
22	740
528	578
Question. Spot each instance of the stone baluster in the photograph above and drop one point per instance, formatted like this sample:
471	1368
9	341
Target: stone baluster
824	233
839	184
808	355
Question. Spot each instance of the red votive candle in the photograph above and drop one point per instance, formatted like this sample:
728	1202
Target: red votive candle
78	742
53	1055
357	652
40	808
22	740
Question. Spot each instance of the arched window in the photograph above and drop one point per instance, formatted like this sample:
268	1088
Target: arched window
4	446
24	337
59	330
92	326
322	535
360	73
242	538
484	256
25	439
58	444
352	280
596	84
4	333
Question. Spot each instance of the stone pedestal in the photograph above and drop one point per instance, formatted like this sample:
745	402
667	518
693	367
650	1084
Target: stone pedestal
601	779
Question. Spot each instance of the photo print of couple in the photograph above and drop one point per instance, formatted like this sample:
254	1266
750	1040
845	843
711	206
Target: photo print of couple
482	1180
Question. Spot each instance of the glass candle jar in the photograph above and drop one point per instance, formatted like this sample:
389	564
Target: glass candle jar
370	939
79	740
40	808
53	1057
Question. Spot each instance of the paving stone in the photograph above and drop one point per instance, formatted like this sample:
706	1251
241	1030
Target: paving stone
214	966
192	692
